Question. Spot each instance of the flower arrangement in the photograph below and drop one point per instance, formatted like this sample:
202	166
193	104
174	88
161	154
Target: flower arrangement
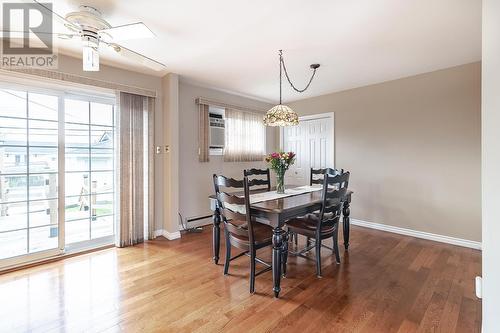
280	162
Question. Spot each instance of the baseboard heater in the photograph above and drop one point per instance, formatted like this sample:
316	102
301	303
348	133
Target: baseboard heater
193	219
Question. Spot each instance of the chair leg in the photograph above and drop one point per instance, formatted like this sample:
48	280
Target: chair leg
228	252
318	257
252	271
336	245
308	241
296	239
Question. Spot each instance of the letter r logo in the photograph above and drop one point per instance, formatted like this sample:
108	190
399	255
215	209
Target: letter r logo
20	20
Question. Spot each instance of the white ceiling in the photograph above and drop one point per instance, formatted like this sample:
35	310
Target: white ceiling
232	44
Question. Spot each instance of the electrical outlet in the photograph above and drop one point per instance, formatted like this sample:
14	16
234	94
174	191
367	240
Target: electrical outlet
158	149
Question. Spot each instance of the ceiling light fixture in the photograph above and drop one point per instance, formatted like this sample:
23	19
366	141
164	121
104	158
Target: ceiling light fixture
283	115
90	59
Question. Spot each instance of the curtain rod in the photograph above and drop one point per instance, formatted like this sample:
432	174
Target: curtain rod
59	76
206	101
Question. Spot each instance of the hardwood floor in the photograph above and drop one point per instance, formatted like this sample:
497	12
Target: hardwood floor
385	283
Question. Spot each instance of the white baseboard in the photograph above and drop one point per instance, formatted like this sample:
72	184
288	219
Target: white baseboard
383	227
172	235
168	235
419	234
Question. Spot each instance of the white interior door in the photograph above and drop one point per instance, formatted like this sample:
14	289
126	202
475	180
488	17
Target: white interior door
312	141
294	140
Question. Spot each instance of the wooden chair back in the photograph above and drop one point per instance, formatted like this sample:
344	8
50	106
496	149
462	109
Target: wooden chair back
335	186
262	182
234	208
317	175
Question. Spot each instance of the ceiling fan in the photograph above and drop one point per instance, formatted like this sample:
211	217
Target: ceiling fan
88	24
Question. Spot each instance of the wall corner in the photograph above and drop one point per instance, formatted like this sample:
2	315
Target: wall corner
170	126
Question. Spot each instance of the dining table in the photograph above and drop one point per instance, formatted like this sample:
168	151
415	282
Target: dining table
275	213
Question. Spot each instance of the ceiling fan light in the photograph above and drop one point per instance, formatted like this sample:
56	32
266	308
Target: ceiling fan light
281	115
90	59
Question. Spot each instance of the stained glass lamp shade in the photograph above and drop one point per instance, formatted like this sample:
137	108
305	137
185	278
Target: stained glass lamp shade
281	115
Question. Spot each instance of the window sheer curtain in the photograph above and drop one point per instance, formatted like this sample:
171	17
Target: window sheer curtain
135	175
203	149
245	136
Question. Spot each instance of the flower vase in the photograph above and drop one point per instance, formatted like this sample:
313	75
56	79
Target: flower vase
280	181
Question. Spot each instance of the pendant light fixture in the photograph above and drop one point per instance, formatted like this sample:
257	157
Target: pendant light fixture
283	115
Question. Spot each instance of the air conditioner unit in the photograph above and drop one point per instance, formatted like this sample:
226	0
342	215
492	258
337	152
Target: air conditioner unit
216	131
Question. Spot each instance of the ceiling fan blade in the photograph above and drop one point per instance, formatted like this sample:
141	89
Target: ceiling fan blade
137	57
20	34
47	11
126	32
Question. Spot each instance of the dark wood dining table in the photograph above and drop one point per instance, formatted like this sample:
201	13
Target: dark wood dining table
275	213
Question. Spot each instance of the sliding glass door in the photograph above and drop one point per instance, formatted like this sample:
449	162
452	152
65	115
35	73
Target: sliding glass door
89	161
28	173
48	139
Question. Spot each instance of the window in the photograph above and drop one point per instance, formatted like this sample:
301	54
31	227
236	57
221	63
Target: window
28	173
41	134
89	161
245	137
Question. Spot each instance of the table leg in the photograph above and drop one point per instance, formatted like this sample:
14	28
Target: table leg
347	223
216	235
278	238
284	253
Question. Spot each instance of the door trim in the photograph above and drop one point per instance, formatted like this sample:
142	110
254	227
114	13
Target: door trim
325	115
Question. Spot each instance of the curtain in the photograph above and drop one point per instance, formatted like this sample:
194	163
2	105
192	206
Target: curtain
203	143
135	175
150	107
245	136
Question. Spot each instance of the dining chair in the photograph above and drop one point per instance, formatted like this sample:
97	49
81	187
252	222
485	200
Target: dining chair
325	223
257	181
240	229
316	178
317	175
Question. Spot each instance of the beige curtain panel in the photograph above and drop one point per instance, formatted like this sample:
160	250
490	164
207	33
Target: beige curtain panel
150	107
135	179
245	136
203	144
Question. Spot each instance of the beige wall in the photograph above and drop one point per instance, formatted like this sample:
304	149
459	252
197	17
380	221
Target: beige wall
195	177
413	149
